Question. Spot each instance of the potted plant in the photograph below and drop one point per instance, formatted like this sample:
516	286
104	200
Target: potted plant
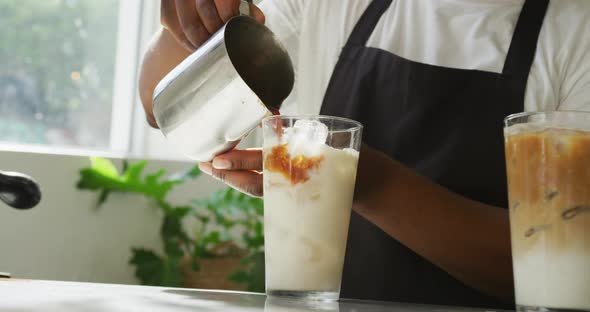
225	247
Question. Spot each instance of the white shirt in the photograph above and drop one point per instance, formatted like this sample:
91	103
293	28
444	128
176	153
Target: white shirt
464	34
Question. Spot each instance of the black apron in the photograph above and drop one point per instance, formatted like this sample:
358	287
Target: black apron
444	123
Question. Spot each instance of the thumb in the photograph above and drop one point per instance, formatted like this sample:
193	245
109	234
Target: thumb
257	13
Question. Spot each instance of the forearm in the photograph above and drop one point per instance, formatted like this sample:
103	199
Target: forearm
467	239
162	55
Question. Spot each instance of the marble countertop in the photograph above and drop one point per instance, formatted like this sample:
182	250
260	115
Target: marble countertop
49	296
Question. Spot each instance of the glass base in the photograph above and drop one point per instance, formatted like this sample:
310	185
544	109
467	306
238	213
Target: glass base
305	295
521	308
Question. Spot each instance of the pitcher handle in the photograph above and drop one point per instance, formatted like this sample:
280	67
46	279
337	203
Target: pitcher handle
245	7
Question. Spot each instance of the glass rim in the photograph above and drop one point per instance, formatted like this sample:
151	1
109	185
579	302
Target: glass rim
512	117
355	125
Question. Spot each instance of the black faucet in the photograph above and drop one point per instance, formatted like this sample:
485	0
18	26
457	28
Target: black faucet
19	190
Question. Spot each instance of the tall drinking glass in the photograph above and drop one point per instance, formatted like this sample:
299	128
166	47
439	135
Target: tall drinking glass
310	165
548	166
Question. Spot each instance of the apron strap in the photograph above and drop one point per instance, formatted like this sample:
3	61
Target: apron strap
366	24
523	47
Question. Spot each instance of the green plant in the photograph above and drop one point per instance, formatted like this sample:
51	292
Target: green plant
225	217
230	210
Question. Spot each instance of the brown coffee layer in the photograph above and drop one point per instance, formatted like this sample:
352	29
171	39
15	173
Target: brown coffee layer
295	169
549	189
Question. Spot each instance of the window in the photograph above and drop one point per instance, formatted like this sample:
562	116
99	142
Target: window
68	75
57	70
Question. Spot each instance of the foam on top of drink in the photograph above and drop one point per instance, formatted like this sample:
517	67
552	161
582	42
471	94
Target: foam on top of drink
541	122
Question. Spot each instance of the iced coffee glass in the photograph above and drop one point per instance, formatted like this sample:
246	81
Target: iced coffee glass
548	166
310	166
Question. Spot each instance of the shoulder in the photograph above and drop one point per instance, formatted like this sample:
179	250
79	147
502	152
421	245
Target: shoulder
567	21
569	8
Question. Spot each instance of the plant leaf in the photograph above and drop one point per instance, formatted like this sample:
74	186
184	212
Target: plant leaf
104	167
203	219
148	266
213	237
172	249
153	270
256	283
133	173
251	273
172	230
257	206
102	198
152	179
239	277
101	174
172	276
258	231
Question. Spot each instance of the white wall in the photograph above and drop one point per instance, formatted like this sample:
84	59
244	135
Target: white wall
65	238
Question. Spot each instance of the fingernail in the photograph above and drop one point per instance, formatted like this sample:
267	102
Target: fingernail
220	163
206	168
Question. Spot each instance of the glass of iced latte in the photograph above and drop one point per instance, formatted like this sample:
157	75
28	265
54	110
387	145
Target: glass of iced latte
310	166
548	166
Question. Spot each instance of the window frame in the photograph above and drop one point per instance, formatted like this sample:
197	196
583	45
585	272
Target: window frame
124	80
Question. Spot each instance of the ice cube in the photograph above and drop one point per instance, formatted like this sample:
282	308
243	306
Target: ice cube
307	137
314	131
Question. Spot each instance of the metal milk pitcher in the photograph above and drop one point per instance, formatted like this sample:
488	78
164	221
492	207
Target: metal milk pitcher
222	91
